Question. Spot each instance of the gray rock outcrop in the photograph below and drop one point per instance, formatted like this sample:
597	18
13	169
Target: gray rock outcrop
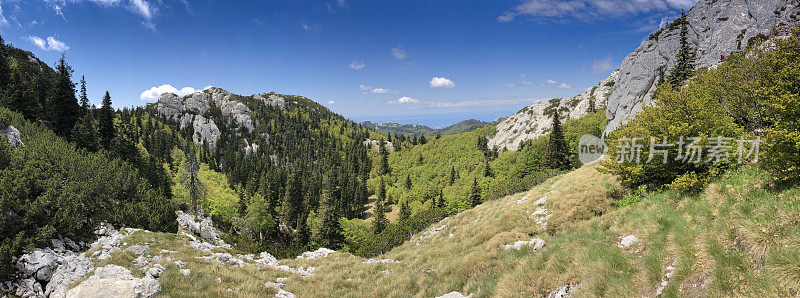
13	136
716	27
531	121
115	281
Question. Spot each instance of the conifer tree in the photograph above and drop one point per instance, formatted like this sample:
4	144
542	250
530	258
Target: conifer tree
475	195
293	199
84	133
5	71
452	174
440	201
557	152
408	181
487	169
405	212
193	184
380	210
64	108
106	122
383	167
685	59
330	232
84	98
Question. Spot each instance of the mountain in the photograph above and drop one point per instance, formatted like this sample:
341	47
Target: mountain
420	129
534	121
716	27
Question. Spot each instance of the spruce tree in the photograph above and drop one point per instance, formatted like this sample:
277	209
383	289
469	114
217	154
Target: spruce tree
63	106
383	166
487	169
84	133
380	210
408	181
106	122
440	201
557	152
475	195
452	174
5	71
405	212
330	232
84	98
192	183
293	199
685	59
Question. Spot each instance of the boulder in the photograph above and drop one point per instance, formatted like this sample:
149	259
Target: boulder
40	263
319	253
535	244
628	241
455	294
13	136
115	281
73	267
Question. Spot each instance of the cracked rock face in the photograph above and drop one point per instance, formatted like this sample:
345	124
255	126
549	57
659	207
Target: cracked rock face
13	136
530	122
716	27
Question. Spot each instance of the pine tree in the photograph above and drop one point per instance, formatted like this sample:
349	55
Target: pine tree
405	212
84	133
106	122
293	199
380	221
303	231
63	106
5	71
383	167
84	98
452	174
592	107
330	232
685	59
475	195
408	181
557	152
440	201
193	184
487	169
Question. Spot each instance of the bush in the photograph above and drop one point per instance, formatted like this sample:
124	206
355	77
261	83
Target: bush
51	189
396	234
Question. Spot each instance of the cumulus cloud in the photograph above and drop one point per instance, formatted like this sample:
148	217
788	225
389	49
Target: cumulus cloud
441	82
357	65
551	81
564	86
526	83
399	53
602	66
155	92
406	100
50	44
330	102
510	85
590	10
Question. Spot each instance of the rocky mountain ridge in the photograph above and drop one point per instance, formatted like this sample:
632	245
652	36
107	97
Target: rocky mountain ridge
421	129
531	121
716	28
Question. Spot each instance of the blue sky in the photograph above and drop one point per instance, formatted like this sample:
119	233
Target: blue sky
431	62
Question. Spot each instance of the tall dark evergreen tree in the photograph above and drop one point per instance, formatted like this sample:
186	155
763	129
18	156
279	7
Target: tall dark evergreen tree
383	166
192	183
84	133
379	223
408	181
106	119
293	199
557	151
487	169
63	105
685	59
5	71
452	174
475	194
83	99
330	232
405	212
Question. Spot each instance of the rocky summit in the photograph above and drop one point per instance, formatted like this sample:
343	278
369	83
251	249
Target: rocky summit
716	28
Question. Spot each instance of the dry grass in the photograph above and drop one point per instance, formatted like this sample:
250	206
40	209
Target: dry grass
735	239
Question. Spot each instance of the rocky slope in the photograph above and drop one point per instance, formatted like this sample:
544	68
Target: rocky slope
189	111
530	122
716	27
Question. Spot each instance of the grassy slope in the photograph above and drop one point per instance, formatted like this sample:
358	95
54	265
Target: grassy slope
735	238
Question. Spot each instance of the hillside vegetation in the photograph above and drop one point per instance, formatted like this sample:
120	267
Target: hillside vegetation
423	130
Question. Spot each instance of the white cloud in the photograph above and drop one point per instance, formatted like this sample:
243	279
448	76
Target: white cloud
356	65
371	90
510	85
142	7
523	75
564	86
51	44
330	102
526	83
590	10
399	53
307	27
3	20
551	81
408	100
155	92
441	82
602	66
380	91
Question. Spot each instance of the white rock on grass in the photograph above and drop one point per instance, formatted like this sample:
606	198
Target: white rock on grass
628	241
72	268
540	201
384	261
540	212
319	253
13	136
279	289
155	271
115	281
455	294
535	244
185	272
563	291
523	199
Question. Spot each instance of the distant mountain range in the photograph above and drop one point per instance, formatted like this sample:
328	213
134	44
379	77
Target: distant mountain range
420	129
